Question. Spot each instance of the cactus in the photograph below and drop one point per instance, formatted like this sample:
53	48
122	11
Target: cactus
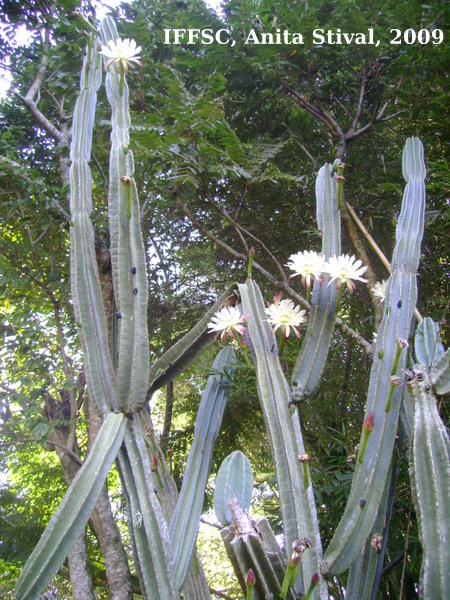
384	398
430	463
234	480
313	354
163	530
74	511
85	281
252	545
186	518
296	495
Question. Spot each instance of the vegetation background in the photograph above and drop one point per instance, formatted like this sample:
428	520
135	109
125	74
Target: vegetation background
227	142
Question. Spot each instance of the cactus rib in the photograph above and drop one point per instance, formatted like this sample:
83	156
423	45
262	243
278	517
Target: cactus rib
370	475
184	524
430	477
234	480
73	513
150	532
297	502
127	247
314	351
85	282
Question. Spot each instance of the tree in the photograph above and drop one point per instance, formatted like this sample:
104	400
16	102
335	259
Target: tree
221	136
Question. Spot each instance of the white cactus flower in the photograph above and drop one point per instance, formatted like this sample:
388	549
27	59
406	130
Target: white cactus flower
346	269
284	314
121	53
308	264
379	290
226	321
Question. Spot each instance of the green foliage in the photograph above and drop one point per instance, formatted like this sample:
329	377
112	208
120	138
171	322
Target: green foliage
216	127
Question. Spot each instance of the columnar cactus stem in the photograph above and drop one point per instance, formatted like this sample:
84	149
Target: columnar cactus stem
314	351
127	248
85	281
430	475
371	474
296	500
186	518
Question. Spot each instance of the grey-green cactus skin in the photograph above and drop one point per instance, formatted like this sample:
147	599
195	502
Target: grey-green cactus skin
252	544
163	545
370	475
186	518
85	281
430	477
283	427
234	480
314	351
127	248
73	513
152	549
430	460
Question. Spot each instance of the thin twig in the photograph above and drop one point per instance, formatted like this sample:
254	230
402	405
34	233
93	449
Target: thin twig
277	283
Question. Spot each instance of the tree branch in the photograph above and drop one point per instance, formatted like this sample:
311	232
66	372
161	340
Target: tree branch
368	348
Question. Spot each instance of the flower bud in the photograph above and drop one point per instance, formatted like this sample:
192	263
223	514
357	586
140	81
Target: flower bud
250	580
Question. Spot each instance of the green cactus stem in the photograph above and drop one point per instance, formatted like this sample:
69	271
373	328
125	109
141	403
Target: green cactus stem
296	501
234	480
314	351
430	477
185	351
186	518
150	535
73	513
85	281
252	545
127	247
371	475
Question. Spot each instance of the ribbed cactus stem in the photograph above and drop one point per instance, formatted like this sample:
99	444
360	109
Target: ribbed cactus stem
296	499
371	474
127	248
85	281
430	475
186	517
314	351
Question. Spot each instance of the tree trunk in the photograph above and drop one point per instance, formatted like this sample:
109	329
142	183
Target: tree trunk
80	572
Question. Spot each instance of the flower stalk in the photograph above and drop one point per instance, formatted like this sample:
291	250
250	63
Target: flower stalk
367	430
250	581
